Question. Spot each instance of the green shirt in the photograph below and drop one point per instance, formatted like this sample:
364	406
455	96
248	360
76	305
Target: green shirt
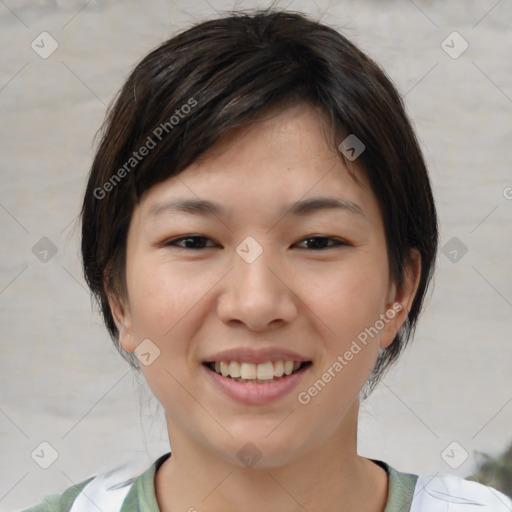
141	496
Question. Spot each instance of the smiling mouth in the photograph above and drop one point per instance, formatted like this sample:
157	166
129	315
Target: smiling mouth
262	373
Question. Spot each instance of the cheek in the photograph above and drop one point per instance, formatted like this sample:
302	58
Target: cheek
348	300
161	295
163	300
350	295
348	304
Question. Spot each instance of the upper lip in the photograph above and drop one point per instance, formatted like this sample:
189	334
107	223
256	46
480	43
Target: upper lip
256	355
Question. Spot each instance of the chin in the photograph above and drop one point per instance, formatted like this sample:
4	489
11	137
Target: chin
260	450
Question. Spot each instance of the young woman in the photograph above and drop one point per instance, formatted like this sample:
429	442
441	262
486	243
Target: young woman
260	232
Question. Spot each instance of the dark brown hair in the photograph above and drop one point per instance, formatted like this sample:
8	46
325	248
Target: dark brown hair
224	73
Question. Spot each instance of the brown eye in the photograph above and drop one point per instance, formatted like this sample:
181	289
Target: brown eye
193	242
320	242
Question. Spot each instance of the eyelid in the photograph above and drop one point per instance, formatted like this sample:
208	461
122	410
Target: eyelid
174	242
339	241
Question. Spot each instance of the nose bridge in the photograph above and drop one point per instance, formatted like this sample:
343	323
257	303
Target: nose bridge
255	295
252	271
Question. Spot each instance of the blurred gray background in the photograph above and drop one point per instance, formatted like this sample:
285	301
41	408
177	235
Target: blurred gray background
62	382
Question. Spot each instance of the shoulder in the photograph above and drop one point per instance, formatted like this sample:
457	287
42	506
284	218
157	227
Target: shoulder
444	492
59	502
105	491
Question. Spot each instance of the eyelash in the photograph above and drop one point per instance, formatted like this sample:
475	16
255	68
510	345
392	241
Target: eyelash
174	242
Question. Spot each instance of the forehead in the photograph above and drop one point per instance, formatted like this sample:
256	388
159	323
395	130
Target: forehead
281	158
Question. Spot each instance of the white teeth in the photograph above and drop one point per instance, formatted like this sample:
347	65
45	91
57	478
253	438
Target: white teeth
248	371
279	368
234	369
288	367
243	372
265	371
224	368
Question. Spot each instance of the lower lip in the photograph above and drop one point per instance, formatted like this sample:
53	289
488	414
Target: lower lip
255	394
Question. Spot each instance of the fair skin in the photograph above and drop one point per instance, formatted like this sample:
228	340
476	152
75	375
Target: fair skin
194	303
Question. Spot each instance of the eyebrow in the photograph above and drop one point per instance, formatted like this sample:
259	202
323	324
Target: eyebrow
300	208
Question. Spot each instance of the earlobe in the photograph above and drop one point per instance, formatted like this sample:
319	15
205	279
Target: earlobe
401	299
395	316
122	318
126	339
411	280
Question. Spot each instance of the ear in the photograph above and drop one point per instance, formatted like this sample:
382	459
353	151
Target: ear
120	310
400	299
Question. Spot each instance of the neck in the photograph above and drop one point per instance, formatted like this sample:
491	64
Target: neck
329	477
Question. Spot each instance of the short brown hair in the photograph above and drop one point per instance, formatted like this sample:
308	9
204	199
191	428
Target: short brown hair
227	72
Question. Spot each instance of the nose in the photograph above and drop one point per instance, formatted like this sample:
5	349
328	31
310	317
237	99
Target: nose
257	294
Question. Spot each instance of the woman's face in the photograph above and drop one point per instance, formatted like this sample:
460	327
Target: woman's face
251	284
